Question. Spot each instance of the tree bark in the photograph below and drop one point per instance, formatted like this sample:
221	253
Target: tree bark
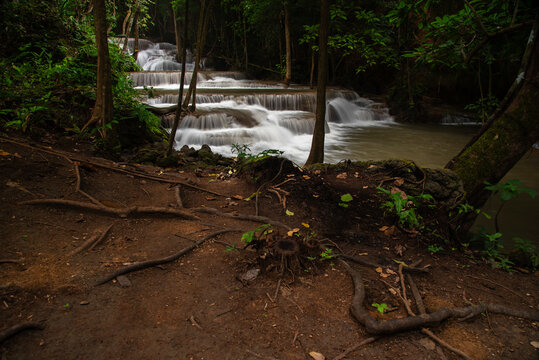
102	112
179	109
135	51
317	147
288	76
505	139
201	39
177	35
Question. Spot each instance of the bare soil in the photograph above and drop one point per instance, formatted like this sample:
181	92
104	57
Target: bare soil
203	306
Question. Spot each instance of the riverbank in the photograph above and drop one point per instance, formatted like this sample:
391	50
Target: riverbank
220	300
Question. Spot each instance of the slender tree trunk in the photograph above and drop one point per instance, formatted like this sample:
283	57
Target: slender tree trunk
102	112
133	12
506	137
201	38
177	35
313	59
135	52
288	76
245	52
317	147
179	109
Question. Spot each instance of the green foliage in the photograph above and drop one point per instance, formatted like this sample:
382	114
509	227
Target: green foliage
526	253
345	199
509	190
327	254
381	308
404	207
245	158
251	237
484	107
433	248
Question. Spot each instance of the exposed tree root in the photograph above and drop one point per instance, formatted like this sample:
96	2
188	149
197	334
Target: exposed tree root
392	326
266	183
9	261
260	219
14	330
444	344
149	263
71	158
122	212
77	185
92	242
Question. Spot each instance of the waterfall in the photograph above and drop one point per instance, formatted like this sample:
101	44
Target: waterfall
232	109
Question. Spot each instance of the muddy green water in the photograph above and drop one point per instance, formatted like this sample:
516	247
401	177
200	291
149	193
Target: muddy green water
434	146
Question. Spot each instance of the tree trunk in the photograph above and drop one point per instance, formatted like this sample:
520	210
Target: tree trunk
506	137
317	147
313	58
177	35
179	109
102	112
130	25
288	76
245	52
201	39
135	51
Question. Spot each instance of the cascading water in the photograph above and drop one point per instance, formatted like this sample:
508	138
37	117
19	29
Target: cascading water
232	109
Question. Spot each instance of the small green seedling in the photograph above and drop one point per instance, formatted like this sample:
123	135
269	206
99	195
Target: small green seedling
345	199
327	254
381	308
434	248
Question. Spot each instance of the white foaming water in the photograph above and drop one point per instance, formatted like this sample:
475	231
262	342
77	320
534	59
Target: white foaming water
235	110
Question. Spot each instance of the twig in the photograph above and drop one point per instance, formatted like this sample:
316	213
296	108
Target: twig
260	219
295	337
417	295
122	212
498	284
443	343
276	294
373	326
9	261
355	347
101	237
149	263
267	182
403	286
14	330
194	322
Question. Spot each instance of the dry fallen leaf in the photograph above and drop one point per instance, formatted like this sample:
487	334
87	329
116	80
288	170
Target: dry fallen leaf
317	356
306	177
293	231
342	176
378	270
238	197
384	228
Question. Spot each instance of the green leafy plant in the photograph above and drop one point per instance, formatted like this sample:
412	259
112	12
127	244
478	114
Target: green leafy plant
507	191
404	207
526	253
327	254
244	156
381	308
252	236
433	248
345	199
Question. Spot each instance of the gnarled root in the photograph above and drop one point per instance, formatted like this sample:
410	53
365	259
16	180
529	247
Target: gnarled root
381	327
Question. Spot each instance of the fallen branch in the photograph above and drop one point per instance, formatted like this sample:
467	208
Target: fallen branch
14	330
260	219
122	212
392	326
149	263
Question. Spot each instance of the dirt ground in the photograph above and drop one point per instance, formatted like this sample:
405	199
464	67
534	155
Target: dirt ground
204	305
